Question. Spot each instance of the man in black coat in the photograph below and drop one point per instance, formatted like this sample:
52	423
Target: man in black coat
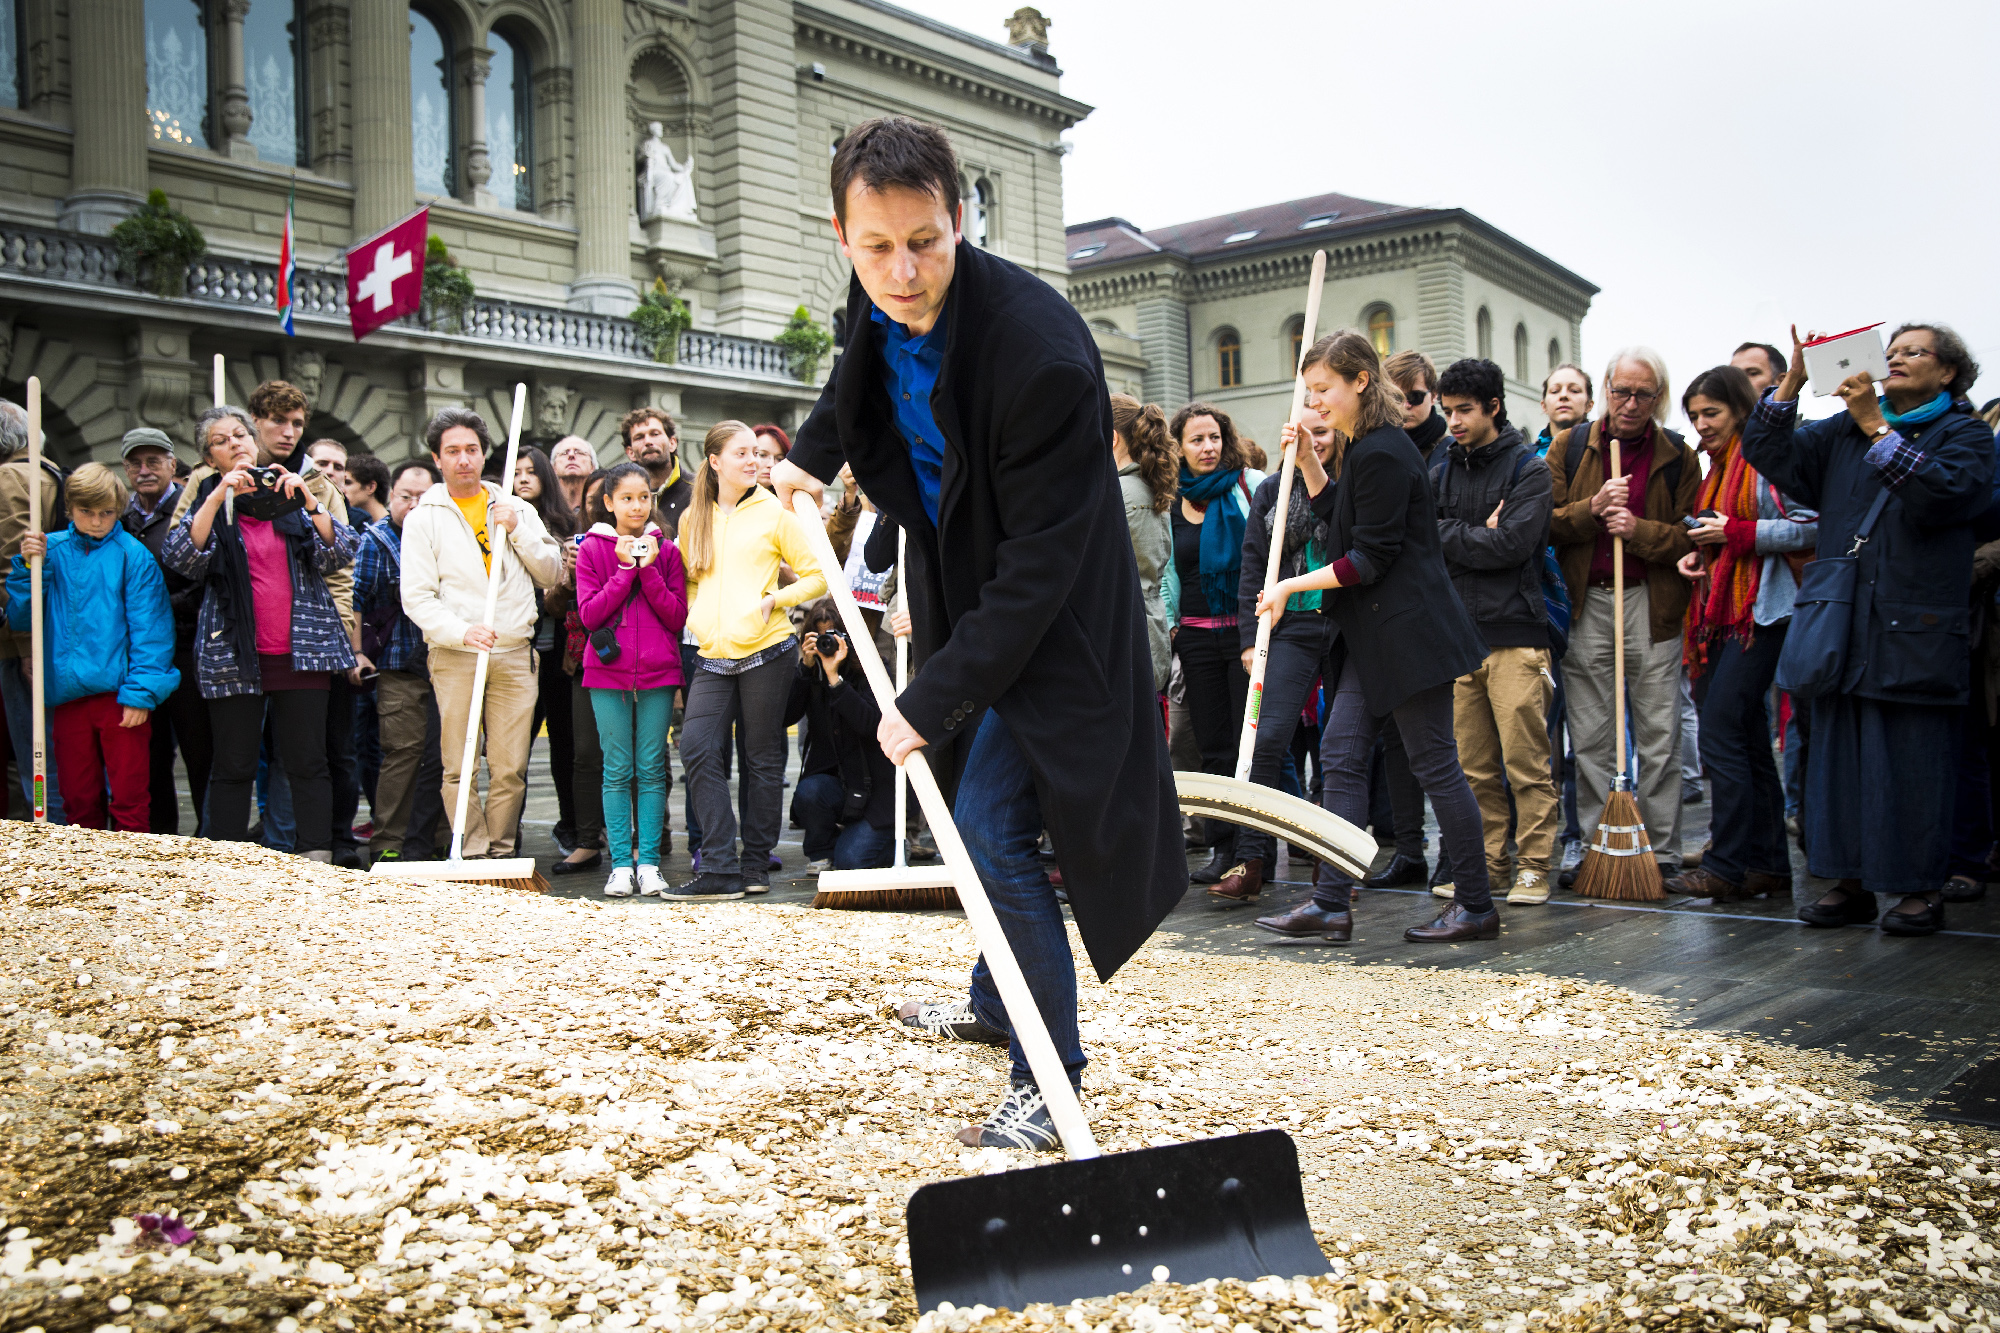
970	404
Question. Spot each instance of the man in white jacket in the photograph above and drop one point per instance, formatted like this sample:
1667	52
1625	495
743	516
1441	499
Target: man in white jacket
449	541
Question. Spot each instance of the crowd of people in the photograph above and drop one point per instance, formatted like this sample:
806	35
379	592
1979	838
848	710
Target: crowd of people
299	625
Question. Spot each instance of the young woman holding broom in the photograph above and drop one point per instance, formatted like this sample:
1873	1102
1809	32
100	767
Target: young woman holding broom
1404	637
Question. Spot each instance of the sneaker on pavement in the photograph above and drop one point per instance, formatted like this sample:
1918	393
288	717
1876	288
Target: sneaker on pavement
620	884
651	882
816	867
1572	855
1020	1121
706	888
1530	888
754	883
1448	889
953	1020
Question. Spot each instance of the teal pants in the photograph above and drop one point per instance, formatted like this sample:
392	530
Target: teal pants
632	727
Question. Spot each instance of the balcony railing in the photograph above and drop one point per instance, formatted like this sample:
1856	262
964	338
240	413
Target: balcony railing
60	256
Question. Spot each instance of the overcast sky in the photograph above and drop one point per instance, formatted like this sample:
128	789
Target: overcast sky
1718	169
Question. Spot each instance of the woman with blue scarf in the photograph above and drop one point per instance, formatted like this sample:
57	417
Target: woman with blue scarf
1209	521
1879	775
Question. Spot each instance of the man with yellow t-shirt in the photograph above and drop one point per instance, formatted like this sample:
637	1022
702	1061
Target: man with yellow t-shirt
449	544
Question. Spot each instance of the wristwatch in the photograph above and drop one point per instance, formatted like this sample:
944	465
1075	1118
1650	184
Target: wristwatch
1877	436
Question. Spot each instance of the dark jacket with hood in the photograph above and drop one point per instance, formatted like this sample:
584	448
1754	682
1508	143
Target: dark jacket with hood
1024	596
840	739
1496	571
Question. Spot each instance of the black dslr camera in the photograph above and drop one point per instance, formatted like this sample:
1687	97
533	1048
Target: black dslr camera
269	501
829	642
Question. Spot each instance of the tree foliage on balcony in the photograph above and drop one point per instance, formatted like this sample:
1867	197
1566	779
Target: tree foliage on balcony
448	289
807	341
662	318
157	244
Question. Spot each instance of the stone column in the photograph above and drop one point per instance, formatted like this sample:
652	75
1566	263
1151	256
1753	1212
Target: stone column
756	162
233	102
384	174
108	85
1163	332
1442	328
326	57
474	63
604	176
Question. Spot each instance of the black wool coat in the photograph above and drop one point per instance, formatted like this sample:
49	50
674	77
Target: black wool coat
1400	619
1024	597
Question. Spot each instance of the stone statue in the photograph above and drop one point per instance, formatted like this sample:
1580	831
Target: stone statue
551	411
306	370
666	184
1028	27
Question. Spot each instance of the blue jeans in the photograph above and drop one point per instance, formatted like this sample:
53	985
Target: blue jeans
1000	819
280	829
17	696
816	804
632	728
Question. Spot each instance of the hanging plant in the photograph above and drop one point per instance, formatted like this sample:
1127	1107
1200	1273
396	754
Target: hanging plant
661	318
156	245
448	289
807	341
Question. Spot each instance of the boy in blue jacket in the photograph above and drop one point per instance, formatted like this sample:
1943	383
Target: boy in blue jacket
108	650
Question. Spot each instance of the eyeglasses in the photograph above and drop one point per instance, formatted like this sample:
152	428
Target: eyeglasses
1415	397
1907	353
1634	395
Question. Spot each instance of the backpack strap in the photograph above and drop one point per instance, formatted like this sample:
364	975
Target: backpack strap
1573	445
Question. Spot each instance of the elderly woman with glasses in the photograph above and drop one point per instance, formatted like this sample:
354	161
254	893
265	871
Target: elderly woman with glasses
1898	479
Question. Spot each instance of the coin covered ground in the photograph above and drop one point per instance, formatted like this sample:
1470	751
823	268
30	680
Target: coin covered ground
241	1090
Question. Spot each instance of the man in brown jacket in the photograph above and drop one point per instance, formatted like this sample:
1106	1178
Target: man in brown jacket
1655	488
15	654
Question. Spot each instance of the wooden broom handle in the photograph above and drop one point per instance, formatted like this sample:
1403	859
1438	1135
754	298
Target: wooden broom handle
1618	621
38	708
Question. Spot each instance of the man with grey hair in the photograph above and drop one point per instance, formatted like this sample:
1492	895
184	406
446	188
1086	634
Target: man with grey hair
16	657
1643	502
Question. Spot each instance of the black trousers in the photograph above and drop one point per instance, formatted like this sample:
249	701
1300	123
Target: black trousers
181	723
1216	687
342	769
1747	802
299	721
552	705
762	693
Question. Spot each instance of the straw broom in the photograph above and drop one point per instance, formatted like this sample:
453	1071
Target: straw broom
1620	864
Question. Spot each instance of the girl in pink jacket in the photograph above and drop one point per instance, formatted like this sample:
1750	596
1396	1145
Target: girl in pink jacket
631	593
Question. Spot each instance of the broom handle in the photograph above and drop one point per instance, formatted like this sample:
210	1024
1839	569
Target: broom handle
1043	1062
1261	659
1618	623
902	680
41	775
473	715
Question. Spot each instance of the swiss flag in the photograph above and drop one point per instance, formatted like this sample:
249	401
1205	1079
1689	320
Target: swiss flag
385	274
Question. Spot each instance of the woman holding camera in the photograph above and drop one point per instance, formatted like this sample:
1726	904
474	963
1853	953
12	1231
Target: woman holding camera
734	538
1745	536
268	632
631	595
845	799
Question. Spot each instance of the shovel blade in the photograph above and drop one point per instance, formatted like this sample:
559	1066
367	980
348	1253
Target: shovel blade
1221	1208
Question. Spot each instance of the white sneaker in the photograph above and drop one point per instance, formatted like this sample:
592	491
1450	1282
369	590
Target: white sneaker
1572	854
1530	888
815	867
651	882
620	883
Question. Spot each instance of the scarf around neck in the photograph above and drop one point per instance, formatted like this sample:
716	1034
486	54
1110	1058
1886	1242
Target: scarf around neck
1726	610
1221	535
1916	416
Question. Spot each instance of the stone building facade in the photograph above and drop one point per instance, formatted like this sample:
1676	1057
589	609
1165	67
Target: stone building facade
1213	309
518	122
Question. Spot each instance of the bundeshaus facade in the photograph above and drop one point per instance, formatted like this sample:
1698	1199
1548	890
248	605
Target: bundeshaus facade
526	126
1213	309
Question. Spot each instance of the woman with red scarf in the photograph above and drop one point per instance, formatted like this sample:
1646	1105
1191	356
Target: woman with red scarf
1749	544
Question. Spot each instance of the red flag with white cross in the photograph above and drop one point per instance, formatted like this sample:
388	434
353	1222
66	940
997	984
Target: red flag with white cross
385	274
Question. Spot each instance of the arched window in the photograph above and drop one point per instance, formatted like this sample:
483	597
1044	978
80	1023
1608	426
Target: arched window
1521	352
430	106
13	88
979	220
1382	330
1485	333
274	74
510	123
1295	337
1228	359
176	73
840	327
1555	355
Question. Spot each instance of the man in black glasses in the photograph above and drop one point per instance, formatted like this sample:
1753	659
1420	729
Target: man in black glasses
1416	378
1642	501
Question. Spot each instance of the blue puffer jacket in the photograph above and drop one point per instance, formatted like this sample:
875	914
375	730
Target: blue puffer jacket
110	627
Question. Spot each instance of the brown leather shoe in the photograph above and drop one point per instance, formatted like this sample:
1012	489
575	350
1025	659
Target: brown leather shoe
1699	883
1762	883
1241	885
1455	924
1309	919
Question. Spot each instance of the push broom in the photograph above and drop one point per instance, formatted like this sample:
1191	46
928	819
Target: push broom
901	887
1619	864
508	872
1094	1225
37	719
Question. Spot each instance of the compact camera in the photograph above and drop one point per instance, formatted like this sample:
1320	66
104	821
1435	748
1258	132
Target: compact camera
269	501
643	549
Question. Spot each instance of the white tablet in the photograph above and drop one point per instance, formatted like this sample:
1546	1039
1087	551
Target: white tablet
1831	359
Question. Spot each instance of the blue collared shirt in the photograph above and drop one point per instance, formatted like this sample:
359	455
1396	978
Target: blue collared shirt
909	372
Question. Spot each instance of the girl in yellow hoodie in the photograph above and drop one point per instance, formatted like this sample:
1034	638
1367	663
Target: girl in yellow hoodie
733	538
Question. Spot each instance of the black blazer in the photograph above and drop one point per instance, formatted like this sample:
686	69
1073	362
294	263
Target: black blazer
1024	597
1400	619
